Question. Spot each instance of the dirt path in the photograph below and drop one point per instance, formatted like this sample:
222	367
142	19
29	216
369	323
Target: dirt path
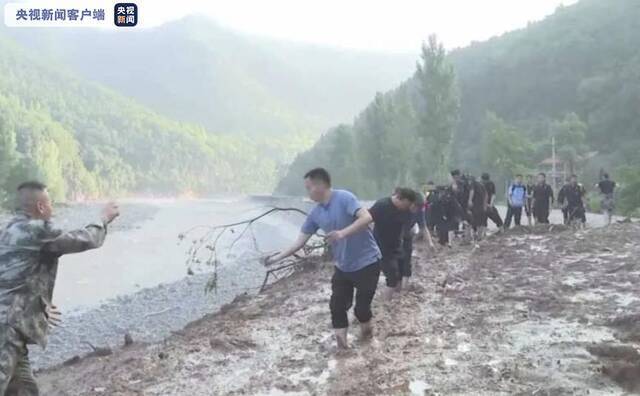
534	312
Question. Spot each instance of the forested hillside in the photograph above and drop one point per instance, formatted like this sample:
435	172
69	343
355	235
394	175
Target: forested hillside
187	107
85	140
193	70
495	106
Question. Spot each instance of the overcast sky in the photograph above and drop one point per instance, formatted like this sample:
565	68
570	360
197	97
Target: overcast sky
388	25
382	25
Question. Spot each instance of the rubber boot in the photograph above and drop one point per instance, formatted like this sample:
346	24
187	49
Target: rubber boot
341	338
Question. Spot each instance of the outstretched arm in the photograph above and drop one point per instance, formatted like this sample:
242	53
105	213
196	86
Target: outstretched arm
297	245
90	237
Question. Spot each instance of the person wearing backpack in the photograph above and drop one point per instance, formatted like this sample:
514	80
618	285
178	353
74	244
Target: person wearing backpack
516	198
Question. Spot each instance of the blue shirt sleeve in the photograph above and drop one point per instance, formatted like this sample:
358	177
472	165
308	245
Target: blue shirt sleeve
351	203
310	226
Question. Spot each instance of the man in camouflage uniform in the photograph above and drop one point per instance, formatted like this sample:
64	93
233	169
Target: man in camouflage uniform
30	246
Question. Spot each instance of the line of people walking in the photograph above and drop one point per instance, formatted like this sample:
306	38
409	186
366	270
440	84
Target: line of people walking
537	200
365	242
361	252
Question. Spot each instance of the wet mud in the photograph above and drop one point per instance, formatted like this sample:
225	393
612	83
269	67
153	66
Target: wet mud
543	311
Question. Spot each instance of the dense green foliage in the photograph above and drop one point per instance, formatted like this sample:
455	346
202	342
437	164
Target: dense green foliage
195	71
574	76
395	139
85	140
187	107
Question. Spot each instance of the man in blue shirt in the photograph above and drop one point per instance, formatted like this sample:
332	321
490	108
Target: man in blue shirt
356	254
516	199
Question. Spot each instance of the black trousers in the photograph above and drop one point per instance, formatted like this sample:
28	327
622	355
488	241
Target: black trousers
405	261
513	213
527	208
391	268
541	214
576	213
343	284
442	229
494	216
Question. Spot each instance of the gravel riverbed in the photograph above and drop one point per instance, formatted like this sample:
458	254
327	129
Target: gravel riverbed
154	310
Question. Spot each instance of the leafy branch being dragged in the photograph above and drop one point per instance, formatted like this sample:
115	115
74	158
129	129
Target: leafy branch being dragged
205	247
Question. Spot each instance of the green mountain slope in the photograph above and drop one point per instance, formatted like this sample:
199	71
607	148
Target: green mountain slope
582	59
86	140
193	70
574	75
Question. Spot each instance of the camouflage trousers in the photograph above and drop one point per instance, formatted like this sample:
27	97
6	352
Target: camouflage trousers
16	378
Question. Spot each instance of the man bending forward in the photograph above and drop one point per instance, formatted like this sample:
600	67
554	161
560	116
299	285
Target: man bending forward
357	257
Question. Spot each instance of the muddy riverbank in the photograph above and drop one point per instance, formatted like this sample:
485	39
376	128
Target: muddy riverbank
543	311
138	282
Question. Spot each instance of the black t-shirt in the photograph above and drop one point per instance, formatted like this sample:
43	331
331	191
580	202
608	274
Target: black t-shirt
573	195
530	188
479	194
607	186
490	188
542	193
462	193
444	207
388	225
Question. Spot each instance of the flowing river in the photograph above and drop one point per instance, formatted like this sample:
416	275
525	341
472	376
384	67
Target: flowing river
137	283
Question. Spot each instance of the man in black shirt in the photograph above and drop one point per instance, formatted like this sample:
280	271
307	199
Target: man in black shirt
607	203
390	216
444	211
429	195
417	218
542	200
606	186
528	207
478	204
571	197
461	190
562	201
492	212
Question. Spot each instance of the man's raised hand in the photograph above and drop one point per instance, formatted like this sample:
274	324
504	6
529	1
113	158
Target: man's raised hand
110	212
